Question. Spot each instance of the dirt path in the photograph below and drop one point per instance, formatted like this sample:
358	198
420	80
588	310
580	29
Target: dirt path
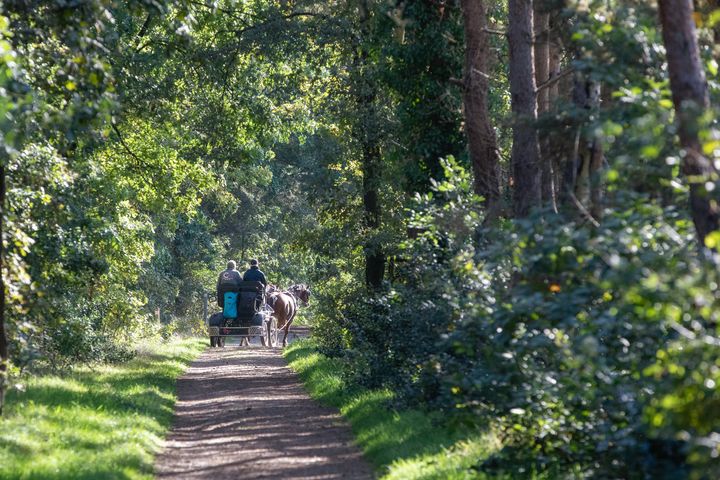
242	414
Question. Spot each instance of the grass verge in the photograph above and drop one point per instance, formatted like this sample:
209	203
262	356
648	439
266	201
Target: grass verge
408	444
94	423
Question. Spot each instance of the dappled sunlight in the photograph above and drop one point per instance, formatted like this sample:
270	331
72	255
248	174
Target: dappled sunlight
248	398
92	423
406	444
497	223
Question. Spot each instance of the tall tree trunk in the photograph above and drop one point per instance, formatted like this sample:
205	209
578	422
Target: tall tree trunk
542	74
4	357
582	161
525	149
554	58
597	158
482	144
597	163
368	136
690	96
374	255
555	54
541	21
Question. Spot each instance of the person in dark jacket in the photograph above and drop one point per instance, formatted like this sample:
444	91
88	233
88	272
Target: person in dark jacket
254	274
228	279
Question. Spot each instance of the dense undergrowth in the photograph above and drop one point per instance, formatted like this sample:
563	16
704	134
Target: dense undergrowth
96	422
574	343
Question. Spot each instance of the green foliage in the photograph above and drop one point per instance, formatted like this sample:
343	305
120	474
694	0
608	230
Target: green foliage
557	357
589	347
421	50
82	337
145	144
563	338
389	336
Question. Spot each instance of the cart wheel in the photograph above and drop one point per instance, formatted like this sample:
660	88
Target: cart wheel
263	340
221	342
272	334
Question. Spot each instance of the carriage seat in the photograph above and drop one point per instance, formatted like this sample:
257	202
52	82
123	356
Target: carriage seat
251	298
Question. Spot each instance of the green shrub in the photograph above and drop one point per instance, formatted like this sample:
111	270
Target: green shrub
590	350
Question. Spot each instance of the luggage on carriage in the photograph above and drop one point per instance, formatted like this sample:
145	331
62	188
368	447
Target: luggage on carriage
230	300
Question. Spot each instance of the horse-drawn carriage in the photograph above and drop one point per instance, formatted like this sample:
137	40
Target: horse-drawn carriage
245	315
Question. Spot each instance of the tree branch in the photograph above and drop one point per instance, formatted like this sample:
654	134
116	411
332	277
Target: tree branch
125	145
553	80
146	26
493	31
283	17
583	210
456	82
139	162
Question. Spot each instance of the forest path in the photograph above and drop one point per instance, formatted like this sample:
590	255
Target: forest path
243	414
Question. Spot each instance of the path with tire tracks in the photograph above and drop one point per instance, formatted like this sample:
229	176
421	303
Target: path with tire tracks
243	414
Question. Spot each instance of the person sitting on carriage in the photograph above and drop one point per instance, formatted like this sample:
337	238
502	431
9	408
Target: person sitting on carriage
254	274
228	280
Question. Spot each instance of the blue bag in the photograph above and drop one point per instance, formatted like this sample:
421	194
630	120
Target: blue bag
230	305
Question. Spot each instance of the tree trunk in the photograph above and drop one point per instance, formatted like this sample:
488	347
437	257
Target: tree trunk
581	186
242	258
542	74
584	158
555	53
525	149
541	21
690	96
482	145
374	255
597	159
4	357
368	136
597	163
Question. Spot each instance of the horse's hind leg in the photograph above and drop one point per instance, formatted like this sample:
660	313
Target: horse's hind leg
287	328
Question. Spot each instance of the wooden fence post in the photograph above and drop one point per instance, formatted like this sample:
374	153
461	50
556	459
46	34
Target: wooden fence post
205	308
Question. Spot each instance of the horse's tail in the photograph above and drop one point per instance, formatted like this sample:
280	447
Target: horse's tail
288	307
292	310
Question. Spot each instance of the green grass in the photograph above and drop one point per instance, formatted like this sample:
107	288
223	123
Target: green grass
94	423
408	444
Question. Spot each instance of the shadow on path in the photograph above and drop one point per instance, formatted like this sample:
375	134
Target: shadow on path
243	414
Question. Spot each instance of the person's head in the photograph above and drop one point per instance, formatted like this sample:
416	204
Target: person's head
231	265
253	263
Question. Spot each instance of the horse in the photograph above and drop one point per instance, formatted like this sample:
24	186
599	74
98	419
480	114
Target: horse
285	305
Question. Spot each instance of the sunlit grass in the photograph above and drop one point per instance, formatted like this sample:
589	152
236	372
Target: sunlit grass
408	444
94	423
